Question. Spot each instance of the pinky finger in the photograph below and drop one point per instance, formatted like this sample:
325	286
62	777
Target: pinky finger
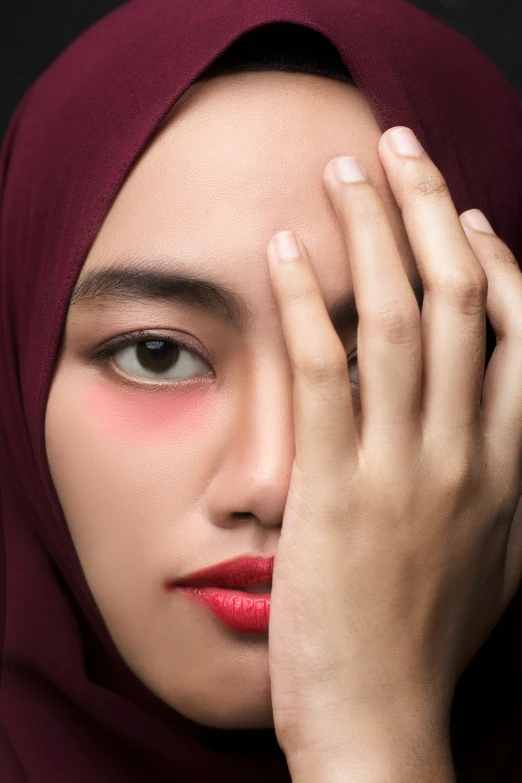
502	390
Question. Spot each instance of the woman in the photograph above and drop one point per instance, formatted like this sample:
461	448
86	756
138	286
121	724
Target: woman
169	402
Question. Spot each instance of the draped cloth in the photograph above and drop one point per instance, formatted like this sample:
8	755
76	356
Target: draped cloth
70	708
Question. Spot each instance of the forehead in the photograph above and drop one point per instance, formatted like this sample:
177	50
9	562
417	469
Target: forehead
238	158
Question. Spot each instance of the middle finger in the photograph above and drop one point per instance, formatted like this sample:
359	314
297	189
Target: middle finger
388	336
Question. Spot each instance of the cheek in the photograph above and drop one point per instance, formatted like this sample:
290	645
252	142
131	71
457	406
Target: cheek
128	415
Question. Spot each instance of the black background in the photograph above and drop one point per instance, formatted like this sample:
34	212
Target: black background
34	32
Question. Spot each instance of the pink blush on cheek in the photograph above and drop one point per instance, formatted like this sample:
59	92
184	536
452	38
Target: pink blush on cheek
129	415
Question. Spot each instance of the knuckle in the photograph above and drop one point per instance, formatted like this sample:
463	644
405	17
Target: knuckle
322	367
397	322
468	291
457	476
431	185
301	291
501	258
368	210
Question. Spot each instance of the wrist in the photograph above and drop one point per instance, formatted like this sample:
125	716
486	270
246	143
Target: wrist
381	748
372	766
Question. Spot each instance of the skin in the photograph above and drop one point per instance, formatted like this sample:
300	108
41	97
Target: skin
156	483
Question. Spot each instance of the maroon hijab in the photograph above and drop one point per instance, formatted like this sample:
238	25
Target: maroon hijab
70	708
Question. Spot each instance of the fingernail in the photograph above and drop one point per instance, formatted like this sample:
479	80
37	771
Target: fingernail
286	246
477	220
349	170
404	142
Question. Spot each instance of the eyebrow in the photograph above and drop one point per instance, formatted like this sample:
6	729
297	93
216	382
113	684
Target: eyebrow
146	281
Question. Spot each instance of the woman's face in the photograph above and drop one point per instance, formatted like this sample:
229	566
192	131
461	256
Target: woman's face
166	465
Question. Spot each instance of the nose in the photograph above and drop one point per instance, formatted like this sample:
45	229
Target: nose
252	478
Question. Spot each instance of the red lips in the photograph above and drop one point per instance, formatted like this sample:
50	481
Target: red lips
241	572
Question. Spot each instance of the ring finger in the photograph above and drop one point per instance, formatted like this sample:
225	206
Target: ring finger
455	285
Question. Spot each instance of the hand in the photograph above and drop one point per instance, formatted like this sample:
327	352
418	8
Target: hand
397	554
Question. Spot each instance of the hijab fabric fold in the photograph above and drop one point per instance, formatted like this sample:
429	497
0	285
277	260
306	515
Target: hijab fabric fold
70	709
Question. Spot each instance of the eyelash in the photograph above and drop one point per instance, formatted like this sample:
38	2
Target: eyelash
135	338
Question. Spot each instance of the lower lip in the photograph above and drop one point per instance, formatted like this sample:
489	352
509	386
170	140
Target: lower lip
245	612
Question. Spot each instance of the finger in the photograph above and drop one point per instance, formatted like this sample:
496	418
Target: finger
455	289
502	389
325	432
388	337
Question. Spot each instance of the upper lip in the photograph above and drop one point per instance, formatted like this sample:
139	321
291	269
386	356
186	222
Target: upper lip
240	572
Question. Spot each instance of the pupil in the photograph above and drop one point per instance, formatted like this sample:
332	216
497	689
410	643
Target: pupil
157	355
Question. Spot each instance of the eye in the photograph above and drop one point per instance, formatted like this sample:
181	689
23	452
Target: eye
155	358
351	362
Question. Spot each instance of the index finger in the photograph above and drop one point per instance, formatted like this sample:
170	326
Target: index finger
325	431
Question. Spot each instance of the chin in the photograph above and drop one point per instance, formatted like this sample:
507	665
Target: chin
224	713
230	721
228	688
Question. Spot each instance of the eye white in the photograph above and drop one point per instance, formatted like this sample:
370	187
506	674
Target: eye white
351	362
185	363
